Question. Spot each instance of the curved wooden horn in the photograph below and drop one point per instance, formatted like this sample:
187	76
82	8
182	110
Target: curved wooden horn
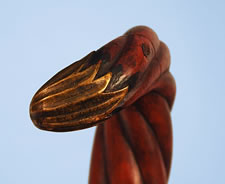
126	89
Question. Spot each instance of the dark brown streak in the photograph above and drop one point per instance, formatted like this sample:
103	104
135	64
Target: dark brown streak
104	156
126	138
169	102
162	96
151	128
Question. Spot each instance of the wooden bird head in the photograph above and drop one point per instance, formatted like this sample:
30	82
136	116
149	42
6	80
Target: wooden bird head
102	83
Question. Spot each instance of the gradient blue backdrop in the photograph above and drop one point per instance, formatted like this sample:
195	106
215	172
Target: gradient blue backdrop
38	38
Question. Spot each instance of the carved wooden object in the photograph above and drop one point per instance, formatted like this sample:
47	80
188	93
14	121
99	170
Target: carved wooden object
126	89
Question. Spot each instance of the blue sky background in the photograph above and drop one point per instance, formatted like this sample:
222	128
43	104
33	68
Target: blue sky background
38	38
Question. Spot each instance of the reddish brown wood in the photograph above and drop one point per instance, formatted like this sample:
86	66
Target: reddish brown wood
137	141
127	83
138	137
99	175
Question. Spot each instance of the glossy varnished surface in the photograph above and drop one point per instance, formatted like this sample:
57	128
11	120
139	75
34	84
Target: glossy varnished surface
127	87
137	139
76	101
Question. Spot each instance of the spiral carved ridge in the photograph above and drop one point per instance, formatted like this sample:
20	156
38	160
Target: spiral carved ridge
125	88
135	145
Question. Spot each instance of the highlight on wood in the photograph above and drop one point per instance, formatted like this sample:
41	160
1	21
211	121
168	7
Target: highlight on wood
124	88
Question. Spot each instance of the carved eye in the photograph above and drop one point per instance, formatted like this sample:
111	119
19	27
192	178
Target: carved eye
145	49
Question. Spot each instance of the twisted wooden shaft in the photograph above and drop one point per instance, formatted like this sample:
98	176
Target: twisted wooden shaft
129	75
135	145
